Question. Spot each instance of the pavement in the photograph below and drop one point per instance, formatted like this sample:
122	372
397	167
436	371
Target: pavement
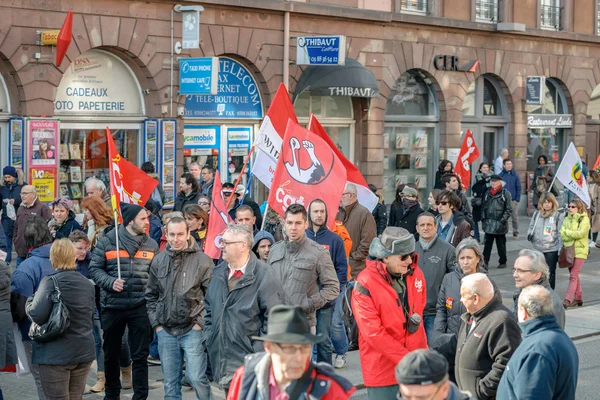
582	325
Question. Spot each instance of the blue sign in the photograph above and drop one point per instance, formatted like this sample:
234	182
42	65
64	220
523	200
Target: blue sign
238	95
198	75
321	50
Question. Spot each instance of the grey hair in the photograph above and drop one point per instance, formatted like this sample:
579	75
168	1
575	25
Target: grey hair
194	164
351	187
537	301
503	151
174	214
479	284
470	244
99	184
244	231
537	262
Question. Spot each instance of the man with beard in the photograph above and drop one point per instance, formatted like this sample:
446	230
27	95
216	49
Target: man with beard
123	299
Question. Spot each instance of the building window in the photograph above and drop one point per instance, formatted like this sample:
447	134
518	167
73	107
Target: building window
551	15
487	10
415	6
410	137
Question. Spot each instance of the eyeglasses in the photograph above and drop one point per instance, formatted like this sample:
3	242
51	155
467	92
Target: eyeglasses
442	203
344	194
203	203
572	206
291	350
520	271
26	193
405	257
223	242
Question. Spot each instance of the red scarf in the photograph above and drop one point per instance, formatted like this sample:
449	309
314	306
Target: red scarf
494	190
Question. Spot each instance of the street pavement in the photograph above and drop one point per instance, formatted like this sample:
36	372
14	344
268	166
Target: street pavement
582	325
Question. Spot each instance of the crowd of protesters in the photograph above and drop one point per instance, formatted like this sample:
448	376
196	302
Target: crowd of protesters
275	316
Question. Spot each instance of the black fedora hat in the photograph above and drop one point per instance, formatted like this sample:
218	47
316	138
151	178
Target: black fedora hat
288	325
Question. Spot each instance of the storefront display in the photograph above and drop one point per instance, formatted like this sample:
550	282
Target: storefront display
201	144
167	169
151	142
16	142
238	147
42	141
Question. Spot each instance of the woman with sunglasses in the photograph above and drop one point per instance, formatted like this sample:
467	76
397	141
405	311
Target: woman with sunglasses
574	232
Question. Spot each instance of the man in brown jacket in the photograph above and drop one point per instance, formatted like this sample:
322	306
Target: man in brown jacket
362	229
30	207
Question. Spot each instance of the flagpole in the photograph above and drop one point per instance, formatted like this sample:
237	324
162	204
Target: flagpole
113	200
237	182
247	185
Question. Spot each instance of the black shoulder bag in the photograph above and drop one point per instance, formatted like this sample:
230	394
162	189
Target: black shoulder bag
57	323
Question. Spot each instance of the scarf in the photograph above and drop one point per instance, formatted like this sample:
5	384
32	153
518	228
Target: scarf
495	191
425	245
407	204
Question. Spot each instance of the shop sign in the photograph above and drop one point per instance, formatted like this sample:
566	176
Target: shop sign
196	136
238	95
198	75
550	121
321	50
49	38
44	181
190	35
451	63
352	91
534	89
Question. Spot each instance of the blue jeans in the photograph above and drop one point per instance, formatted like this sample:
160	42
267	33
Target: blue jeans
322	351
9	247
476	231
383	392
98	338
172	350
154	347
428	321
339	338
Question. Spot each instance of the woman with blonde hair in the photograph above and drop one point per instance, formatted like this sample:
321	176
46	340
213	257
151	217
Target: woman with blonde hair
544	232
594	189
99	217
574	232
64	361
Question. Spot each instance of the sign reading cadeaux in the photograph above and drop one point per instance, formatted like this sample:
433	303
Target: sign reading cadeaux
321	50
238	95
98	83
198	75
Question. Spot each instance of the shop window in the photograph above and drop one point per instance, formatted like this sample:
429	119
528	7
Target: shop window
469	101
410	137
482	99
593	110
547	141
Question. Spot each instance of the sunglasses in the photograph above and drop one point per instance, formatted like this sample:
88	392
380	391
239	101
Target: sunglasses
572	206
406	256
442	203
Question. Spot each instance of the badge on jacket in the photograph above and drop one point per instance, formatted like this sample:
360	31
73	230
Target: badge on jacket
419	285
449	302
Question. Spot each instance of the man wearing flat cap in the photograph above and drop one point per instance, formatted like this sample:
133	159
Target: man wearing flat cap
423	374
122	298
388	302
410	211
285	369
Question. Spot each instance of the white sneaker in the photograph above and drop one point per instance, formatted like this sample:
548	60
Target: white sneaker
591	243
340	361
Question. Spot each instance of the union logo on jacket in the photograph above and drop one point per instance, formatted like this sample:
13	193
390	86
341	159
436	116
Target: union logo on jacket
381	319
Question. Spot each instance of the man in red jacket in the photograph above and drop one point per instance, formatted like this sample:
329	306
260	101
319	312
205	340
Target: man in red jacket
388	302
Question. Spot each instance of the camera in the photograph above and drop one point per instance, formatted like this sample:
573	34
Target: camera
413	323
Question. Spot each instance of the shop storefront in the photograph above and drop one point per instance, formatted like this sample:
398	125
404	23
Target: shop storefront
11	131
411	135
219	129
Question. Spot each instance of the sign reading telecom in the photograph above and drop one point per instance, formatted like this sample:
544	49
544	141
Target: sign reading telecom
238	95
198	75
321	50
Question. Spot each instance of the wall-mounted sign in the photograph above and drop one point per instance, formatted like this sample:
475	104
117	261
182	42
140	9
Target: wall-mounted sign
238	95
321	50
16	142
198	75
452	63
190	26
98	83
49	38
549	121
43	137
200	136
534	89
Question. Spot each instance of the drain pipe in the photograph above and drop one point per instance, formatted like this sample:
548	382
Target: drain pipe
286	49
171	72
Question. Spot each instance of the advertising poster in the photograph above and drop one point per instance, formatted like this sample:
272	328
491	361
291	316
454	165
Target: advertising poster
16	142
43	136
44	181
238	147
151	141
168	130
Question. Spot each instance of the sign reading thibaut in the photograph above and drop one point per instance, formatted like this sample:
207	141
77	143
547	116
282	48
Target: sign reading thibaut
321	50
549	121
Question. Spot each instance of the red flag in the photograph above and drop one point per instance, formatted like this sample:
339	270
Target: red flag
467	156
128	183
366	197
596	164
65	36
307	169
217	223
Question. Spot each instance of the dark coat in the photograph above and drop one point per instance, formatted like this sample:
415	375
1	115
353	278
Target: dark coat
496	212
76	345
207	188
408	219
177	285
12	191
513	184
25	214
64	230
8	350
233	317
396	211
544	366
435	262
557	304
380	215
136	254
155	228
183	200
482	355
478	190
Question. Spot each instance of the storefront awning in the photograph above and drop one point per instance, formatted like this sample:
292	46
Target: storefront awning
352	80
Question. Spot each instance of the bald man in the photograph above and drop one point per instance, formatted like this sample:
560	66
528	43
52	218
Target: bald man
488	336
30	208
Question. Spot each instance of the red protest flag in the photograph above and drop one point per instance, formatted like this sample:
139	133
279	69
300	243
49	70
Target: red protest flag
65	36
307	169
128	183
467	156
596	164
217	223
366	197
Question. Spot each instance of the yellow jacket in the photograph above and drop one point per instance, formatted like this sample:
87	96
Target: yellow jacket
574	231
